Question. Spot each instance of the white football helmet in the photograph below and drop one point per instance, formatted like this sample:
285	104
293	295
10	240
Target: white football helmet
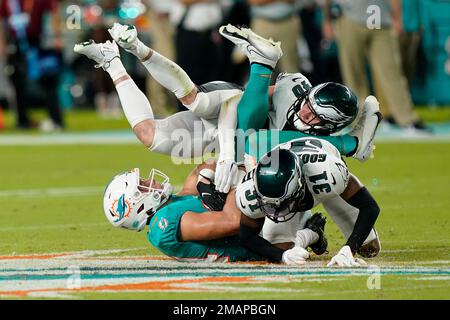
129	201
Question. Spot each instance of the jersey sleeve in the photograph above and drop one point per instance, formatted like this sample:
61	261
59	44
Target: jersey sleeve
326	179
326	174
246	200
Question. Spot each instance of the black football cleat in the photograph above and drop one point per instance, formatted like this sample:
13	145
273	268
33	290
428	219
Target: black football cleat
317	224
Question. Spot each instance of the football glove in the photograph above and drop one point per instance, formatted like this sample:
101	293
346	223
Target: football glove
295	256
344	258
226	175
211	198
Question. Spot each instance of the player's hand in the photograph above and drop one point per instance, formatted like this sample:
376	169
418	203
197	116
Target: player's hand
295	256
226	175
211	198
344	258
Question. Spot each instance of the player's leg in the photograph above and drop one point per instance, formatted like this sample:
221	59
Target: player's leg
135	104
303	230
261	142
281	234
204	103
263	55
181	135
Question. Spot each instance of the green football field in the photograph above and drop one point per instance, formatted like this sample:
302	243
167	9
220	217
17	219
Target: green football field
56	243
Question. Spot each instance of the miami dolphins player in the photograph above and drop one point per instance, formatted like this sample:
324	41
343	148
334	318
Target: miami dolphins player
295	177
180	225
220	107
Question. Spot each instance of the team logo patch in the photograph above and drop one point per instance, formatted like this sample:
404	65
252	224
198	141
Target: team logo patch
163	223
121	208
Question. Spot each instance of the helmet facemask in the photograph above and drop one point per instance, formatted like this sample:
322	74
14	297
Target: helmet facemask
323	127
333	115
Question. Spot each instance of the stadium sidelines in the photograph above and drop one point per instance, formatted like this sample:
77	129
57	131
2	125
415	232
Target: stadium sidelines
65	274
441	134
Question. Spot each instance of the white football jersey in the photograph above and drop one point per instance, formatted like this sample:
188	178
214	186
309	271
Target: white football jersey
326	176
288	88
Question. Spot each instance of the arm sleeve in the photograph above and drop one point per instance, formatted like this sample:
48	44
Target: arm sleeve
226	128
368	214
252	241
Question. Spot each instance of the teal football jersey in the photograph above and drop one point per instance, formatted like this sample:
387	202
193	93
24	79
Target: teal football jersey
164	234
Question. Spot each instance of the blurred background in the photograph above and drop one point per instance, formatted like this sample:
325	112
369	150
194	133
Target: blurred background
397	50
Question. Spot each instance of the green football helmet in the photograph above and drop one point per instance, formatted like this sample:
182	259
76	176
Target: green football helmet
334	104
279	184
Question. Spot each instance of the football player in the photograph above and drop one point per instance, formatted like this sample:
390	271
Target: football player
180	225
292	179
214	105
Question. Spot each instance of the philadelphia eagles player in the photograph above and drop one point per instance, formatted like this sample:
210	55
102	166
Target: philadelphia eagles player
180	225
218	107
293	178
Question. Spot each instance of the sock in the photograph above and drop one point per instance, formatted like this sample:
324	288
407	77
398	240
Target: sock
261	142
135	104
253	108
170	75
116	69
349	145
305	237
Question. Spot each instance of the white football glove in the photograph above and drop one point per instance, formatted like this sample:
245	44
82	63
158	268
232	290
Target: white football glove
344	258
227	173
295	256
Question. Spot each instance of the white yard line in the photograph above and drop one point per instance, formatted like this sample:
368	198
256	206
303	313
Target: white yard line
112	138
56	192
52	192
52	226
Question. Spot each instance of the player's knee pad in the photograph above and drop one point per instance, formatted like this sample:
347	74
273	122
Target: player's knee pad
207	104
203	105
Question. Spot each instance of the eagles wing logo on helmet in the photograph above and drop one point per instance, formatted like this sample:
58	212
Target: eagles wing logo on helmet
120	208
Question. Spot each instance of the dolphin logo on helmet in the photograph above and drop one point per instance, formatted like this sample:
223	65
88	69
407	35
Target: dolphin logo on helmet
130	202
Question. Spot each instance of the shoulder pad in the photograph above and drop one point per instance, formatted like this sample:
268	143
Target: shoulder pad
246	199
326	179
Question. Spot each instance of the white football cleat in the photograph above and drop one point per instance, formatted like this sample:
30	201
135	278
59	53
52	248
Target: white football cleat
257	48
102	53
126	36
366	128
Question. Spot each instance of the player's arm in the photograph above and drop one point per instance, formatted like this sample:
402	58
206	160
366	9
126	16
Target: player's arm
227	170
190	184
249	237
359	197
211	225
